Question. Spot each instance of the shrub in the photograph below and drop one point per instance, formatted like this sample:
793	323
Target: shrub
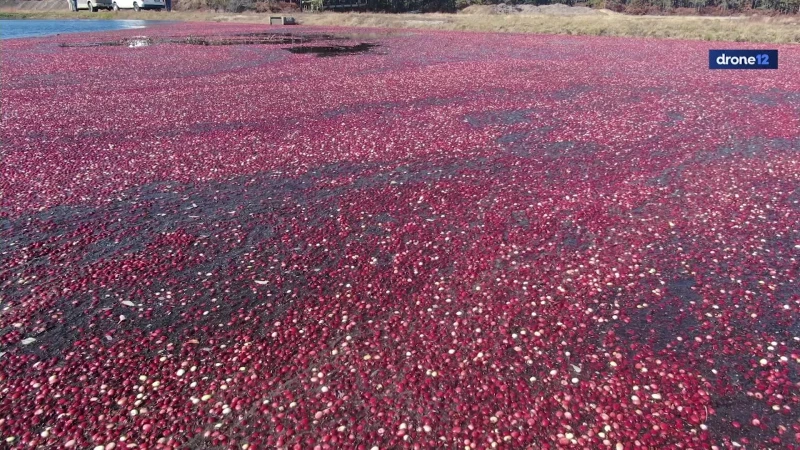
268	6
239	6
461	4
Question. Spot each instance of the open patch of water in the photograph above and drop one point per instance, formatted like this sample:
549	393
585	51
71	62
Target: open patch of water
332	47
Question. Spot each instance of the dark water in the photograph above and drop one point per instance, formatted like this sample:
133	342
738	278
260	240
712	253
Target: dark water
32	28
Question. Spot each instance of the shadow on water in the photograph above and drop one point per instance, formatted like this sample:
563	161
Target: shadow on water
333	50
660	324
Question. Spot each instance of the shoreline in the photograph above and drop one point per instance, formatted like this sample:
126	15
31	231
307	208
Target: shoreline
757	29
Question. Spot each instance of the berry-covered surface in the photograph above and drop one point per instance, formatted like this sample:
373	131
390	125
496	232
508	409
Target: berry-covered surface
442	240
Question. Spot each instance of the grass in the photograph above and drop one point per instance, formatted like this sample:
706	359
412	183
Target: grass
733	29
741	29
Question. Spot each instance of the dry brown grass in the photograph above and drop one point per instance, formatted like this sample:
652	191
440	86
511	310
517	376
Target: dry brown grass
735	29
739	29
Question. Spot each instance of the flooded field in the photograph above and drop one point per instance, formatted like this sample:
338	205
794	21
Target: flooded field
243	236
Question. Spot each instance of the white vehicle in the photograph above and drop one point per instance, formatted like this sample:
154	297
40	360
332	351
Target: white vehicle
94	5
137	5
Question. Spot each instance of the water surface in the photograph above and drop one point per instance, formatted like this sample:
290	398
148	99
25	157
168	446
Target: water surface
32	28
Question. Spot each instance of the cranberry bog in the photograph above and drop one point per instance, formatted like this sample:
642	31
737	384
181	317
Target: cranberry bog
233	236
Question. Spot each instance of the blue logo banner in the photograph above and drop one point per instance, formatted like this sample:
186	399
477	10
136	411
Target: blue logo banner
742	59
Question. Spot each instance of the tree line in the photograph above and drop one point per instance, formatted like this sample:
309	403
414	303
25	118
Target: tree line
700	6
625	6
649	6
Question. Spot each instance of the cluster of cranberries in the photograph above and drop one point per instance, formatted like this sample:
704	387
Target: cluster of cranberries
453	240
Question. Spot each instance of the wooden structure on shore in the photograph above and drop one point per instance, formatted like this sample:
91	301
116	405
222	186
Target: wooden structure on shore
282	20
